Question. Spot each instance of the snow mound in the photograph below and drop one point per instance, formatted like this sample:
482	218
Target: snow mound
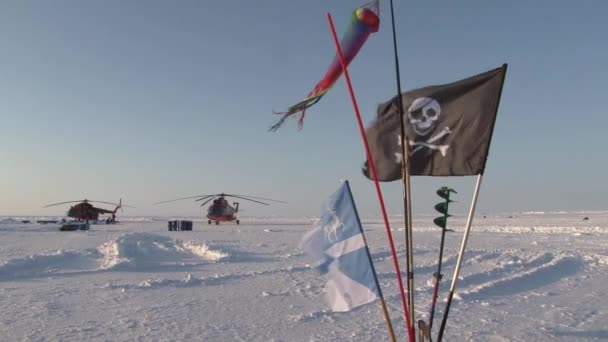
145	251
132	251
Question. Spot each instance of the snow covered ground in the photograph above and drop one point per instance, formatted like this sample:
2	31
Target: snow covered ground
526	277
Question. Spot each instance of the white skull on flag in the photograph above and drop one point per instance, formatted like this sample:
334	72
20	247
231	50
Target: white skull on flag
422	114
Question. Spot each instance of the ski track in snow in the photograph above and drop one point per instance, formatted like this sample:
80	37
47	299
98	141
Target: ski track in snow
218	279
133	282
518	275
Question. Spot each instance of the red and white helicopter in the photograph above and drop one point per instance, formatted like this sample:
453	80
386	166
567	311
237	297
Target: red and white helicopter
220	210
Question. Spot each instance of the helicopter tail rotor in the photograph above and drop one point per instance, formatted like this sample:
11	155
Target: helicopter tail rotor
119	206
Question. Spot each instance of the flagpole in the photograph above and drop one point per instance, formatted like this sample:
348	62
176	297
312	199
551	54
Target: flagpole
405	176
409	238
387	318
460	256
406	312
471	212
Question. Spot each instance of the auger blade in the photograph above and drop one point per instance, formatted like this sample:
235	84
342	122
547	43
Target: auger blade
442	207
441	221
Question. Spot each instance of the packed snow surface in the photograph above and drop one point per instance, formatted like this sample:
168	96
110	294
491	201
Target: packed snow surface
532	276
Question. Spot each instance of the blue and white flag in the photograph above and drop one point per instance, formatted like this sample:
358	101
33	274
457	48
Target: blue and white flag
338	246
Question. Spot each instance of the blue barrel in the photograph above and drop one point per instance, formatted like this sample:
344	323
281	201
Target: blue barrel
185	225
172	225
180	225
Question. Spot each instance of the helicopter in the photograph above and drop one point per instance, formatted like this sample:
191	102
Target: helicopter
220	210
85	211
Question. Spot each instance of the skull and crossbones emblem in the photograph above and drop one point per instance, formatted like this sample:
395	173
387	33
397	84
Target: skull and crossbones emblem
423	114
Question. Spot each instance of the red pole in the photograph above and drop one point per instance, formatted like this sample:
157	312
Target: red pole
373	169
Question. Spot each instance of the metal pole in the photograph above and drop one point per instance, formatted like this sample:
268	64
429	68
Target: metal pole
409	238
460	256
405	176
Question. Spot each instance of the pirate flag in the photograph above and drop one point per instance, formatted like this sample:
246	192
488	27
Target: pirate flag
448	127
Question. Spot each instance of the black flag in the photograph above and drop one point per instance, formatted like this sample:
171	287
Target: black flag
449	128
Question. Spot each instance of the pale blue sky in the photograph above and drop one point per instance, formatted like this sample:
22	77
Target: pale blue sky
153	100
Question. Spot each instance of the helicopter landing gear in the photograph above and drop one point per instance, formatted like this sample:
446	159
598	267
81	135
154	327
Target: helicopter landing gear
217	222
237	222
209	221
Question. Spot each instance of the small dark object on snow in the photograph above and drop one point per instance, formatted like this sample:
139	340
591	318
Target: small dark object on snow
180	225
585	218
72	226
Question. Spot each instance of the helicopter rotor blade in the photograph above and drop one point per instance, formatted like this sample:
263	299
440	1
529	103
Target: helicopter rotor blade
87	201
207	201
262	198
116	204
50	205
183	198
206	196
103	202
248	199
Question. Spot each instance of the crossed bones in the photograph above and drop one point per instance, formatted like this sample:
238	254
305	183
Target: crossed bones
429	143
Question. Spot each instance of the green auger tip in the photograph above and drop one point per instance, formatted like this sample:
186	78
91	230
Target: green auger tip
444	192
